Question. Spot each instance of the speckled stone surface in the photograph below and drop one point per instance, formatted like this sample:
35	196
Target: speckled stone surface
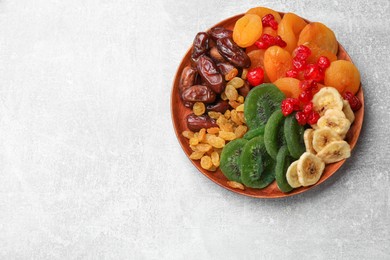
90	167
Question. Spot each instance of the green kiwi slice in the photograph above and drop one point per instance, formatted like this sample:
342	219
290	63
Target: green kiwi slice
257	168
230	157
283	161
274	133
260	103
254	133
293	133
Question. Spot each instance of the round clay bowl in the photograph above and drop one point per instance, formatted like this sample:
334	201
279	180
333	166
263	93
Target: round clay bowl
179	113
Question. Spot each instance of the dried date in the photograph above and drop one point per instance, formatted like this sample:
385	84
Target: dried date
187	78
233	53
209	73
200	46
220	32
195	123
198	93
220	106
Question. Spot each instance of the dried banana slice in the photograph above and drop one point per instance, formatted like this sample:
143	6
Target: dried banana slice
324	136
310	169
327	98
335	151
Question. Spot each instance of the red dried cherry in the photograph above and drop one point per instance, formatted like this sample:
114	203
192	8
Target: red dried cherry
292	73
302	52
308	108
305	96
309	85
255	76
298	64
353	101
313	117
289	105
323	62
301	118
269	20
312	71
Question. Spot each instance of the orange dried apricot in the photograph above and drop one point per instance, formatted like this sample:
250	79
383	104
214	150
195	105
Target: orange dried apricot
320	35
343	75
289	29
289	86
257	60
247	30
262	11
277	62
317	52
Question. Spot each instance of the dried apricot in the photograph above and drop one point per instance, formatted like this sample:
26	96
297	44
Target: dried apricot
343	75
257	60
320	35
289	86
247	30
317	52
263	11
289	29
277	62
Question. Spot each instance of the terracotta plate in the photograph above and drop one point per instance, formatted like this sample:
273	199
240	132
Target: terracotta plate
179	112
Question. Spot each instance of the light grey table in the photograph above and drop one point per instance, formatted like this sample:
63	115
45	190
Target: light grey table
90	166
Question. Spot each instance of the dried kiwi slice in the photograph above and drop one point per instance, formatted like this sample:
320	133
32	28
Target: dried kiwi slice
230	157
254	133
260	103
283	161
257	167
274	134
293	133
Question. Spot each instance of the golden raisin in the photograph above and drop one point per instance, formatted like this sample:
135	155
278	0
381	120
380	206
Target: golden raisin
228	136
231	92
240	108
240	131
236	82
215	159
216	141
203	147
240	99
244	74
196	155
199	108
188	134
227	114
235	185
214	115
202	135
234	103
205	162
213	130
194	141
